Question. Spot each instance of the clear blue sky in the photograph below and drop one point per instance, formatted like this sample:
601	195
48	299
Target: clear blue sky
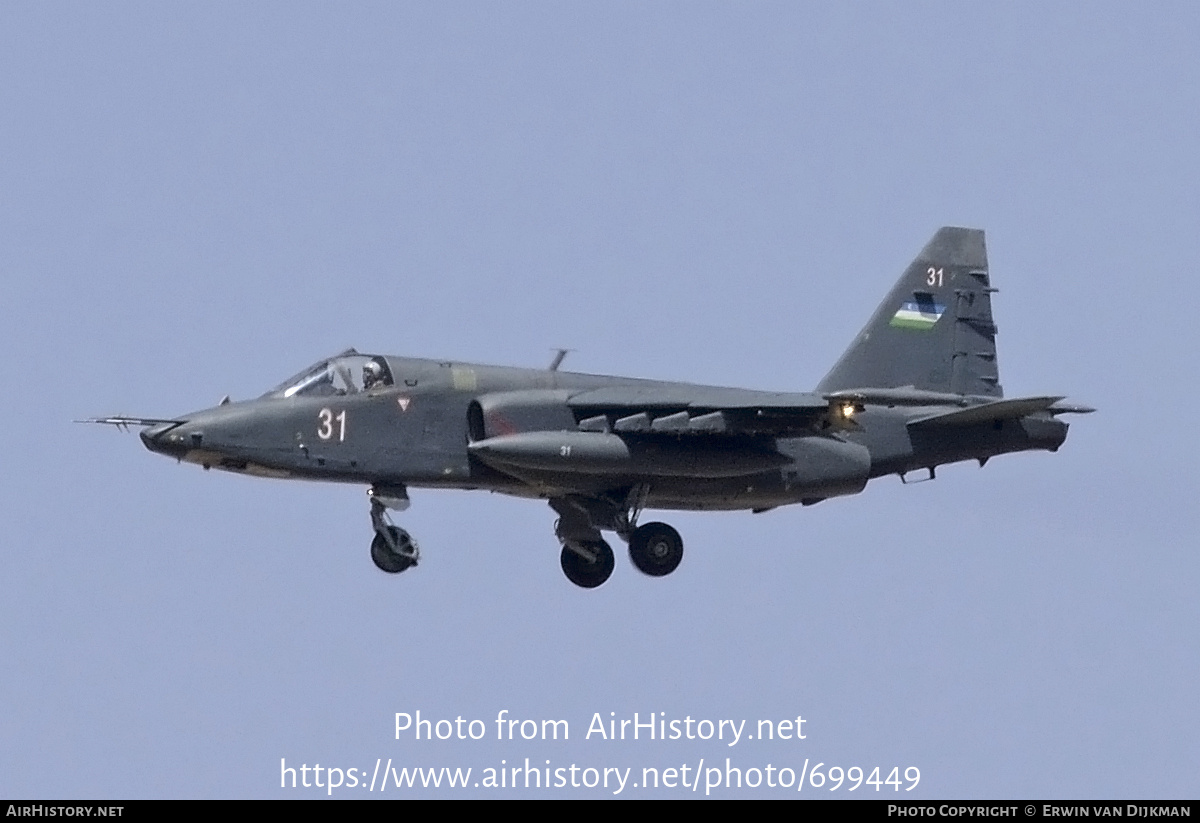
201	199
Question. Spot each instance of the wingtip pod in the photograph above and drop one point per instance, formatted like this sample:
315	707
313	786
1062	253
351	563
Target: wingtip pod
1070	408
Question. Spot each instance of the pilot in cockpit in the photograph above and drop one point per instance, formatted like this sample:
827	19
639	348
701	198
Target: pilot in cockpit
372	375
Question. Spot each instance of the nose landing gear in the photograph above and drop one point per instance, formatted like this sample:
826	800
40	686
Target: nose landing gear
393	549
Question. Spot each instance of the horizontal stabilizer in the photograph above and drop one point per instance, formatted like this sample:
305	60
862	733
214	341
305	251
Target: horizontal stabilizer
987	412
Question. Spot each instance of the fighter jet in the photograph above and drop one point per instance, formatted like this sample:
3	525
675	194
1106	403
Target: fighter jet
918	388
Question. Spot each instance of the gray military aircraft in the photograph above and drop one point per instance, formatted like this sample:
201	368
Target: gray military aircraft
917	388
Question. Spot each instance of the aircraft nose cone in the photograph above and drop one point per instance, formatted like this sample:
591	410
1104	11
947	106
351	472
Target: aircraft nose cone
156	439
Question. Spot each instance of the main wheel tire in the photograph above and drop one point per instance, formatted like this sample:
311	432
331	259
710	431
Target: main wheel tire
390	561
588	574
655	549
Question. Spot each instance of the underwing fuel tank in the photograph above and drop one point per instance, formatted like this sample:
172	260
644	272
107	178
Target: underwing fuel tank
602	453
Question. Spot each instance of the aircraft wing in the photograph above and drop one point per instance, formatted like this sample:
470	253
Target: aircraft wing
685	409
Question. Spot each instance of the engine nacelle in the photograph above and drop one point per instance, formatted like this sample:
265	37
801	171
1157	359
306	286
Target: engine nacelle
825	466
574	452
514	412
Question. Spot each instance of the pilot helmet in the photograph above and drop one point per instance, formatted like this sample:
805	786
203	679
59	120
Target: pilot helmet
372	374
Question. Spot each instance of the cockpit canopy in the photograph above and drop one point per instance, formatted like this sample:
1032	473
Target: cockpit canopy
346	373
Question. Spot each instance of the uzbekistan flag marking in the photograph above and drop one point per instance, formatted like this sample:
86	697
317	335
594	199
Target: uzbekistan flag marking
921	316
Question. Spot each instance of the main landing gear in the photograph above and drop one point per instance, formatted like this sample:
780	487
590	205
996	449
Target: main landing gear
587	563
656	549
393	549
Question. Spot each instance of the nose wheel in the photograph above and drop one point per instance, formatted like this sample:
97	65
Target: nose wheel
394	552
393	549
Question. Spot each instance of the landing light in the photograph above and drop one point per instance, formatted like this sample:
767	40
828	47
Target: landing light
848	410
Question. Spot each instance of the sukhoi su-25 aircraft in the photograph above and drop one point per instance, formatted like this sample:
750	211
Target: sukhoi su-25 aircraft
917	388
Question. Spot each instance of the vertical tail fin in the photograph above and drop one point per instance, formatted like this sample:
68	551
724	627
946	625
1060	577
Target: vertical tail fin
934	330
